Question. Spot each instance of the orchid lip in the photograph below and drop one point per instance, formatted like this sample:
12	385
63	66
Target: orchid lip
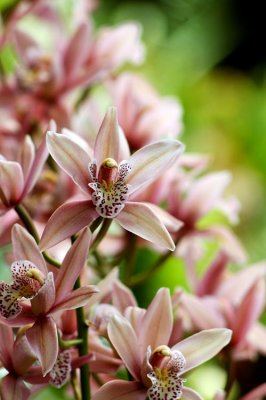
110	190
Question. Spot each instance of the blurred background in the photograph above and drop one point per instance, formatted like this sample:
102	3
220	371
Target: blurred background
210	54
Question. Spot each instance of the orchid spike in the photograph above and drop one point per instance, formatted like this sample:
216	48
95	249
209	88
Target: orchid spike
110	180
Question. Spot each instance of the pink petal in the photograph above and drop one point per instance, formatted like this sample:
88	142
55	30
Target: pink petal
256	337
190	394
42	338
151	161
6	345
202	346
141	220
45	298
36	168
201	314
23	356
205	193
249	311
110	139
126	344
23	43
77	298
122	297
14	389
25	248
77	51
26	155
11	180
236	286
71	157
67	220
171	223
121	390
72	265
157	323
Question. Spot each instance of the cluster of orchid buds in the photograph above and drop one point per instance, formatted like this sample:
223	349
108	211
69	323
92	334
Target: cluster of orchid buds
92	174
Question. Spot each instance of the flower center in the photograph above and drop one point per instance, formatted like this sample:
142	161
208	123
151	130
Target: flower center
166	368
110	190
27	281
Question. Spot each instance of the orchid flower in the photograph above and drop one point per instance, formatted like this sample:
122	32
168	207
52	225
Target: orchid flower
157	369
109	182
18	359
47	294
17	178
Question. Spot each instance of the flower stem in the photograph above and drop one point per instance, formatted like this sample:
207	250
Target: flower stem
27	221
29	225
83	334
100	235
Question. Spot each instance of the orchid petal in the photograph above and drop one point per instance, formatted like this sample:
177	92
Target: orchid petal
171	223
202	315
105	287
77	298
43	340
141	220
11	181
23	356
126	344
72	265
121	390
151	161
256	337
67	220
157	323
71	157
79	140
202	346
249	311
77	51
25	248
122	297
26	155
212	184
13	388
36	168
236	287
190	394
45	298
109	139
6	345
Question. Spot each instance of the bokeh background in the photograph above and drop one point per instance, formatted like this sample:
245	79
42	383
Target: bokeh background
210	54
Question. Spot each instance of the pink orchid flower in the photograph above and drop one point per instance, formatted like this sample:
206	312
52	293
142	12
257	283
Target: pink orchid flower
141	342
17	178
109	182
47	294
18	359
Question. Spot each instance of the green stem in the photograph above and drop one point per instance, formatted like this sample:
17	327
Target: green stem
102	232
83	334
27	221
29	225
132	250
